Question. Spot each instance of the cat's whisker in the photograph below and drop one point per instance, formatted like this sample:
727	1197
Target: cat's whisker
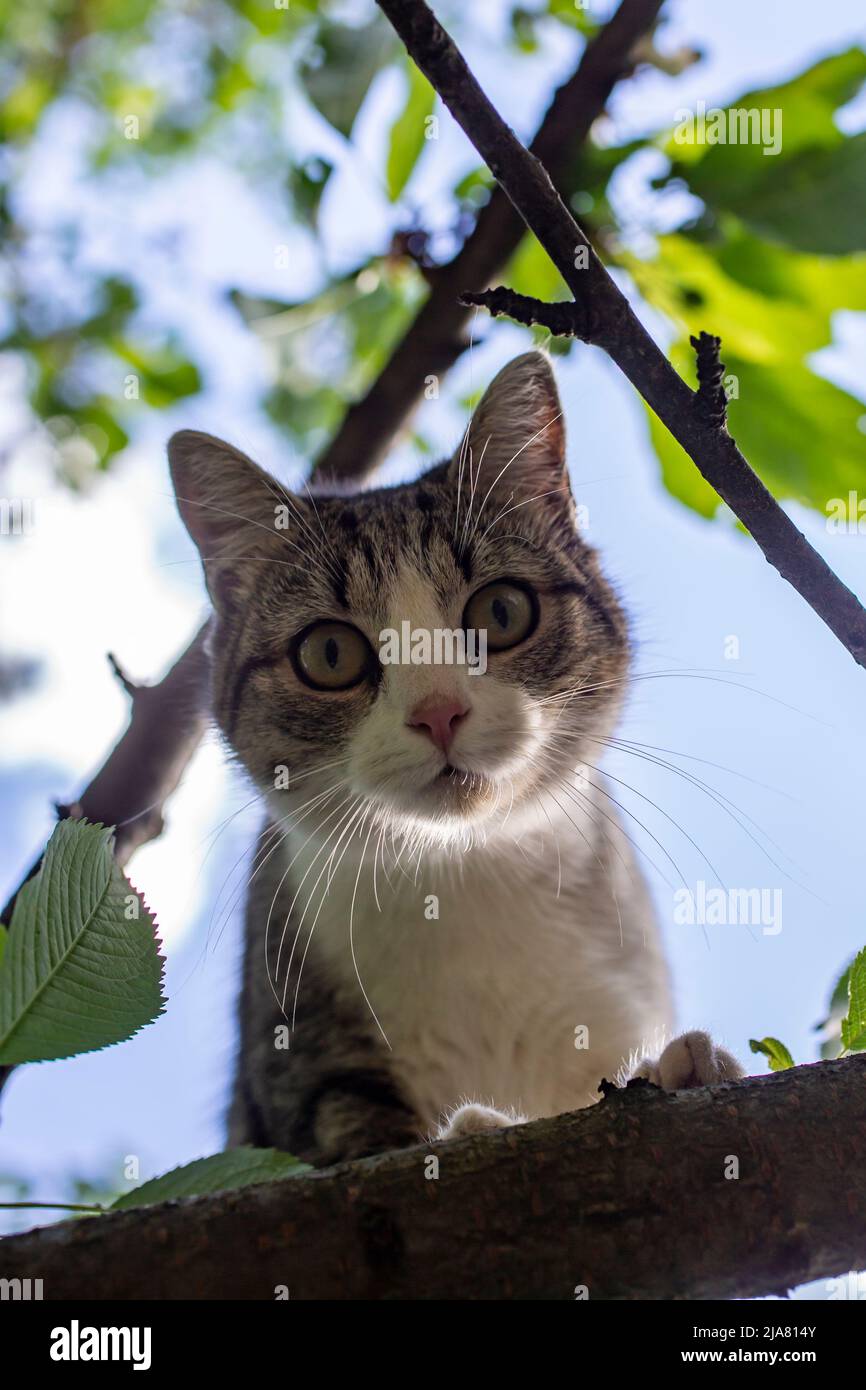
517	505
473	485
505	466
657	807
330	869
268	837
286	873
250	521
336	835
373	1014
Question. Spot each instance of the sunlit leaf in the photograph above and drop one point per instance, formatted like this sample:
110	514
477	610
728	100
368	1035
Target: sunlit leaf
854	1023
776	1053
408	132
82	967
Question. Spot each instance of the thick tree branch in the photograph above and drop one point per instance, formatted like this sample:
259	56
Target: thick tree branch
166	724
129	791
606	318
723	1192
437	336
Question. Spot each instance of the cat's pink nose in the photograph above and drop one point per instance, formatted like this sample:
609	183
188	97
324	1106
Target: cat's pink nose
438	718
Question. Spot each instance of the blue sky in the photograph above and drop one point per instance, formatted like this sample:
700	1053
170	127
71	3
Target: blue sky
785	717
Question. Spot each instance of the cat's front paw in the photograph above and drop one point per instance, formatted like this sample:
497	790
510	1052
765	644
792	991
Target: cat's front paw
472	1118
692	1059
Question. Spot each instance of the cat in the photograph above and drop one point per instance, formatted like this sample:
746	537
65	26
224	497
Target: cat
447	930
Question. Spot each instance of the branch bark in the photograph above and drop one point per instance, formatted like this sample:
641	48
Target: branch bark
437	336
634	1198
603	316
130	790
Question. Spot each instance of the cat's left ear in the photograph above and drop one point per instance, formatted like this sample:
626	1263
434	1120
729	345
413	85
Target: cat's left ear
515	442
231	509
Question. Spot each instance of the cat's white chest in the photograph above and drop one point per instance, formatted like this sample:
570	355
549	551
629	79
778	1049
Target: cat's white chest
493	986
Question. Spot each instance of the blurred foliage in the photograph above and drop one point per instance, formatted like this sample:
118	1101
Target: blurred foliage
764	249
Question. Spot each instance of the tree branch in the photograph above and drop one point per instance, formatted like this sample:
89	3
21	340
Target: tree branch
437	336
728	1191
605	318
145	766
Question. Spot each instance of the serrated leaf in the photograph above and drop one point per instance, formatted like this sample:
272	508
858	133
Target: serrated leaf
831	1026
221	1172
776	1052
408	131
854	1023
82	968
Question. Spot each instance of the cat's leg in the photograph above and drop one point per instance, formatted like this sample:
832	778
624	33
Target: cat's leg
472	1118
312	1077
692	1059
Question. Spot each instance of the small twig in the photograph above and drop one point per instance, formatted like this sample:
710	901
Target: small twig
54	1206
129	685
710	397
564	319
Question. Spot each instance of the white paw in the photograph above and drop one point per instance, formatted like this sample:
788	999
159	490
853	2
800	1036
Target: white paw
471	1118
692	1059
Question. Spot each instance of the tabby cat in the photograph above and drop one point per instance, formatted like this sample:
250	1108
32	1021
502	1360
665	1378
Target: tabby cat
446	927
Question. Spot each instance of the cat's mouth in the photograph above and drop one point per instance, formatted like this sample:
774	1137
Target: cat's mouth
462	790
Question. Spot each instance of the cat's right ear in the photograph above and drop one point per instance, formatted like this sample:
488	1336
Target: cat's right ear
228	504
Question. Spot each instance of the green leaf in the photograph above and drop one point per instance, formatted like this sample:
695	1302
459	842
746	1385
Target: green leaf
814	201
772	308
164	373
777	1053
82	967
810	193
3	935
854	1024
338	74
531	271
408	131
831	1026
219	1173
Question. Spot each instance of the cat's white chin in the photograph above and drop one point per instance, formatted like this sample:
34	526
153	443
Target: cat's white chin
454	794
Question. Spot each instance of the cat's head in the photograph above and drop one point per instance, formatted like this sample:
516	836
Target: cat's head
320	599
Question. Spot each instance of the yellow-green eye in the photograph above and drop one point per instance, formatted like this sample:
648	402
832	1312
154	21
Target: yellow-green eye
333	656
506	611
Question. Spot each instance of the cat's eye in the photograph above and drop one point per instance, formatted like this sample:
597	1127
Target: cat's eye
508	612
332	656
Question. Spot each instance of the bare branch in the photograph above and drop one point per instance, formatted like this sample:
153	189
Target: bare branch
617	329
562	319
437	336
710	396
